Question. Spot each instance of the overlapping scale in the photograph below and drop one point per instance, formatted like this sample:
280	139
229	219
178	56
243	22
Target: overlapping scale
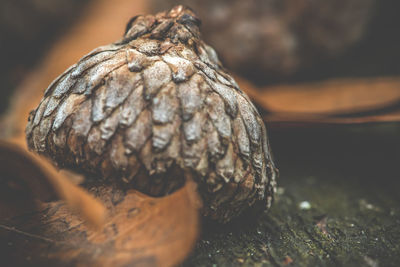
152	109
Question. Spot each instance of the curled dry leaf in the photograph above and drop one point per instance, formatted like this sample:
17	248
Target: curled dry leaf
35	229
26	177
334	101
140	231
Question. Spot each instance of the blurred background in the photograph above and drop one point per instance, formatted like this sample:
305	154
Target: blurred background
28	28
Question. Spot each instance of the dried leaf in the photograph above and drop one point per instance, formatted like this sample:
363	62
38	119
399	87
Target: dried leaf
298	120
140	231
33	178
334	101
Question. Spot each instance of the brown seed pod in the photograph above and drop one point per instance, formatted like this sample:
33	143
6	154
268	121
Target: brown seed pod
153	109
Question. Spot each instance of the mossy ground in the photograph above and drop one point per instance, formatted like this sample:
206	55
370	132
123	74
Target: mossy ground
337	204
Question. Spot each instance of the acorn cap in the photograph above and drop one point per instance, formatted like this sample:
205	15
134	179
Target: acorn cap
154	108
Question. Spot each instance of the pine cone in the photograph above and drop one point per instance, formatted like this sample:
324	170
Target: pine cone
153	109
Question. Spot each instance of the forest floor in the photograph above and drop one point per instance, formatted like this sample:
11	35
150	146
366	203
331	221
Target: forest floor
338	204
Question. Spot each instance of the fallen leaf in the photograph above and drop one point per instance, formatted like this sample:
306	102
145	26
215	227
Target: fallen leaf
340	96
26	177
340	101
304	120
140	231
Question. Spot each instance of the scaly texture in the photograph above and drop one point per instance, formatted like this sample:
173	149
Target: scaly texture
153	108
